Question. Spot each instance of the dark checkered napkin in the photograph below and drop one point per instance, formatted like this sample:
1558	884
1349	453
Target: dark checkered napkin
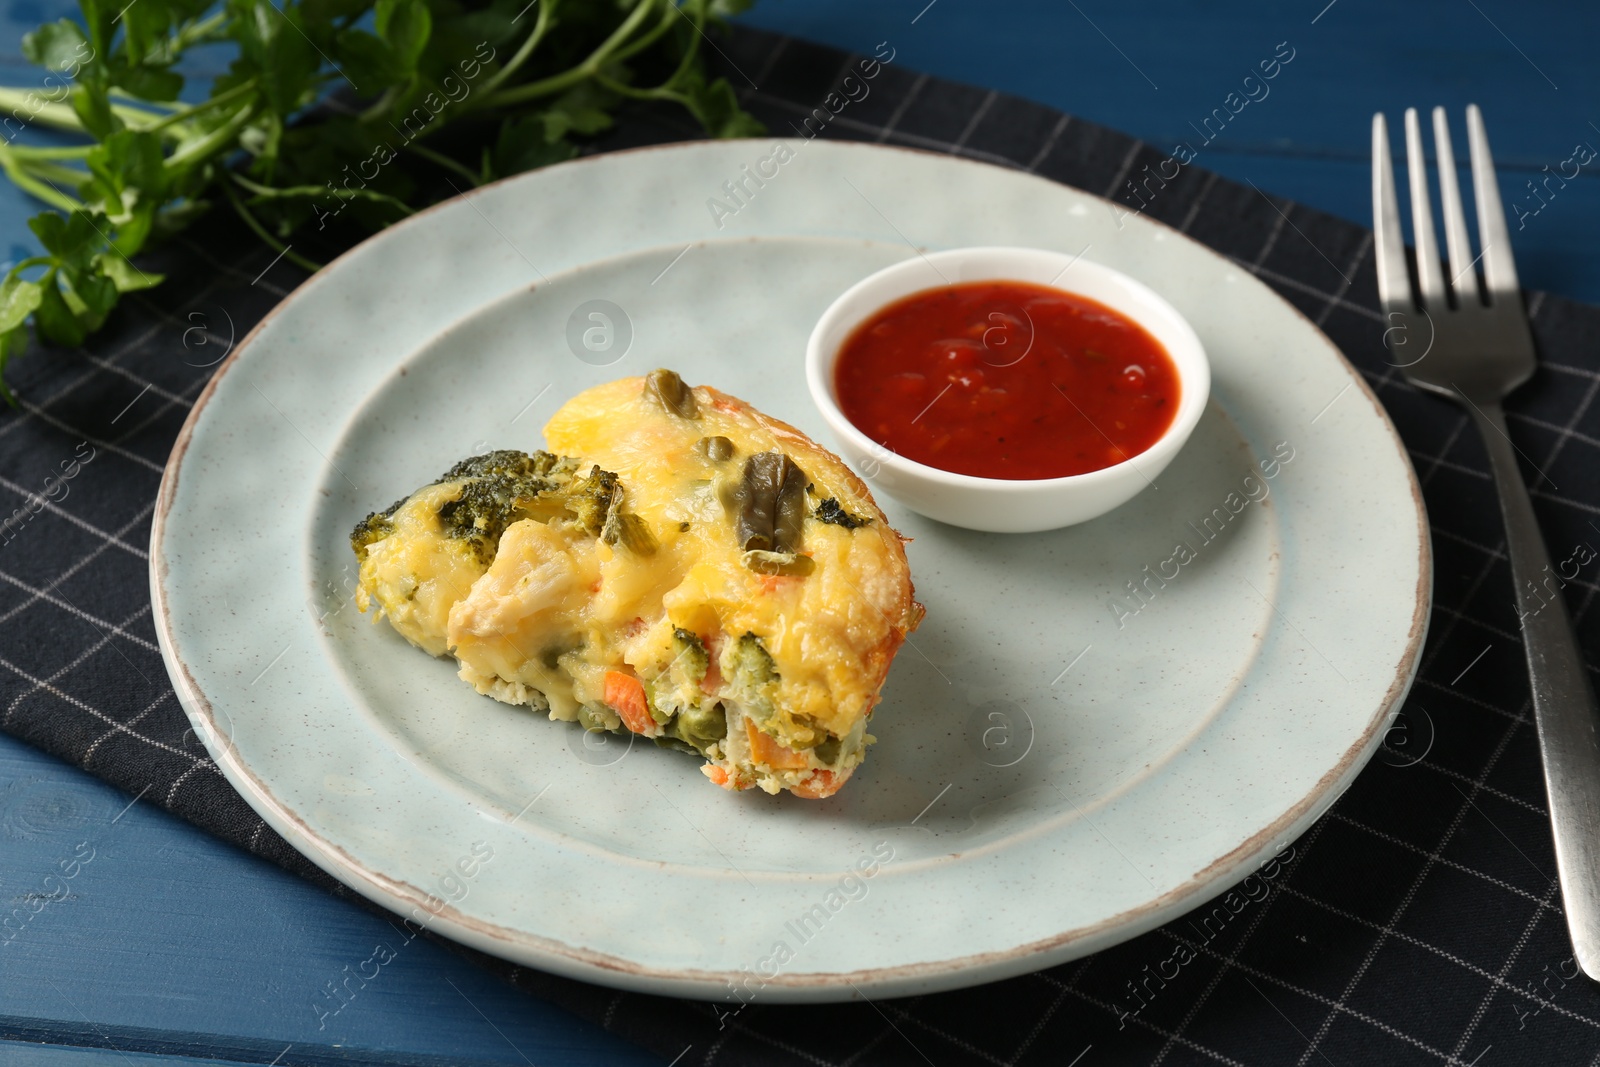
1416	922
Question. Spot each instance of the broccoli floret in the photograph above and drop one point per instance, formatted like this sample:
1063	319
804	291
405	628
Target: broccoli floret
375	527
691	653
595	501
686	723
676	686
591	498
502	487
499	488
748	668
752	663
508	462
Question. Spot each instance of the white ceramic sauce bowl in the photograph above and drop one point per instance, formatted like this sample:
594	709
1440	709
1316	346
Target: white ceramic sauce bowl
1001	505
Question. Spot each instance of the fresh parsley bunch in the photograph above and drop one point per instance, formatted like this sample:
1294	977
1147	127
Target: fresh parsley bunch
515	81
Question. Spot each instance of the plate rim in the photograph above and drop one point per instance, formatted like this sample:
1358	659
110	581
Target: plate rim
586	964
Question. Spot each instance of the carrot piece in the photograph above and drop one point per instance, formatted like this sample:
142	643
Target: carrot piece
625	694
713	679
719	775
820	784
769	752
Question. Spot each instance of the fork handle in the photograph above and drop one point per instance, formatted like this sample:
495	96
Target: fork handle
1564	708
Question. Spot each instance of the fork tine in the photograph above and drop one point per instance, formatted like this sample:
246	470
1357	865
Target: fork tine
1394	286
1430	277
1499	269
1463	275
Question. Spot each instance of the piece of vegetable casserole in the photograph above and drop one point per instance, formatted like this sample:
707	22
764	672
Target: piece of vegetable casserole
703	575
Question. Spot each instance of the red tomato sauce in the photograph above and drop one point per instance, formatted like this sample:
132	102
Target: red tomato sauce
1005	379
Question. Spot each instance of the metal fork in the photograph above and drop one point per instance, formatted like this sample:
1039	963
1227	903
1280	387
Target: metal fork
1476	349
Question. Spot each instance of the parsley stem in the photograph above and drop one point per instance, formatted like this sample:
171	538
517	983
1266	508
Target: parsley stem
136	118
690	53
57	116
441	159
227	96
61	116
660	92
541	25
534	90
31	261
54	172
261	232
583	71
290	192
382	105
29	184
223	136
29	151
650	37
154	108
693	51
201	31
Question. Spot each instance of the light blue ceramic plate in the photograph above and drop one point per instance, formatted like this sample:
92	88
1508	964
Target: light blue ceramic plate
1092	732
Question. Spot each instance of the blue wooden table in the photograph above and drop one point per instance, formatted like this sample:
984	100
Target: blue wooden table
171	943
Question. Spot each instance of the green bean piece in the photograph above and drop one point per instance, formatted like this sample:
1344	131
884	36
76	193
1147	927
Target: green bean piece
789	517
757	500
675	396
769	504
716	449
